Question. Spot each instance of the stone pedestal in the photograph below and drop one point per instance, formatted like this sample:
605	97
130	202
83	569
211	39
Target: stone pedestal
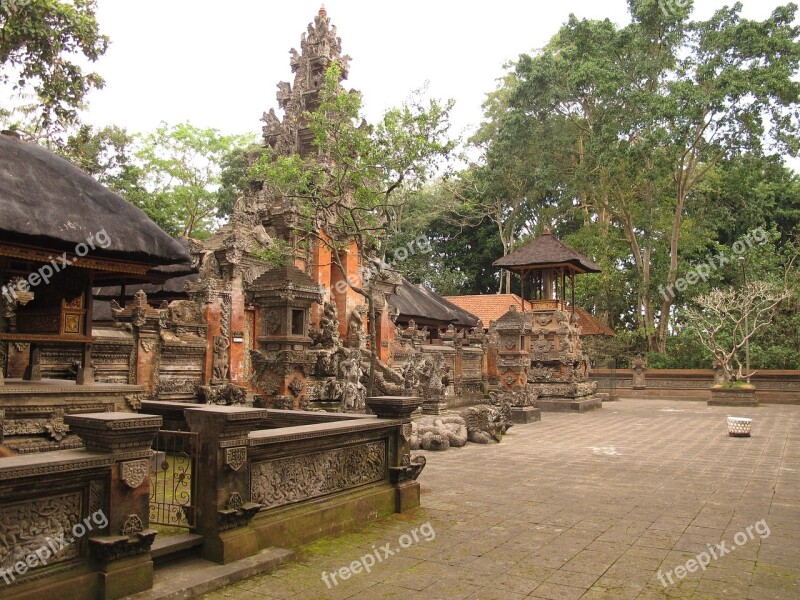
525	414
726	396
122	552
223	502
434	406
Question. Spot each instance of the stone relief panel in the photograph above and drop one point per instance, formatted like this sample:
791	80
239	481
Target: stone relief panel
25	527
287	480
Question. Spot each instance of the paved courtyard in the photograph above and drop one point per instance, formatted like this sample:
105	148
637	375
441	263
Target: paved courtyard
584	506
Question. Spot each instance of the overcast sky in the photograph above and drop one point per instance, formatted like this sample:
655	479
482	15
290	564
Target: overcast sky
216	63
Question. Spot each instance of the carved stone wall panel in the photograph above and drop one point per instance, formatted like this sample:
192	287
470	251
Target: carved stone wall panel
134	472
27	526
288	480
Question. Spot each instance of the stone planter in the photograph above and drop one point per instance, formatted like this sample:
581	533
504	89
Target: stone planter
733	396
394	407
739	426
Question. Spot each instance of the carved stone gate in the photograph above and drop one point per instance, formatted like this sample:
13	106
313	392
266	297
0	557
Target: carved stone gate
172	480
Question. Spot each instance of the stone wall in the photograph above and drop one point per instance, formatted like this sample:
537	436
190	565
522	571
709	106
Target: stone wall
772	387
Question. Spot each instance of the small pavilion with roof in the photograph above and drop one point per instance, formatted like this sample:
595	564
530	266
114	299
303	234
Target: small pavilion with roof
540	353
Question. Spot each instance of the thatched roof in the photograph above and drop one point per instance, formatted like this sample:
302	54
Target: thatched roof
47	202
545	251
419	302
174	287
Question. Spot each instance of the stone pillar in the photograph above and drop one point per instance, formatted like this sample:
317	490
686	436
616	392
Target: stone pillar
222	498
212	313
321	273
639	369
403	471
122	554
236	349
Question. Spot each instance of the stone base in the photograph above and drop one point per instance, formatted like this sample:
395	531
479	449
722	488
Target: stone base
583	404
85	375
732	397
407	496
525	414
122	578
310	521
228	546
434	407
32	373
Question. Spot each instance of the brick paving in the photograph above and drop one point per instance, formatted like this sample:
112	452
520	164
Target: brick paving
585	506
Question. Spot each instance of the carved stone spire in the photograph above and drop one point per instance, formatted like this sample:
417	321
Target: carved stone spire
319	47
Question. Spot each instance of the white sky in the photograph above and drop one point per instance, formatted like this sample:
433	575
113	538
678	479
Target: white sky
217	63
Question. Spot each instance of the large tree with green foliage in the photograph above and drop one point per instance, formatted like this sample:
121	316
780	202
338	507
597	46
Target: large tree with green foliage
43	44
182	166
653	110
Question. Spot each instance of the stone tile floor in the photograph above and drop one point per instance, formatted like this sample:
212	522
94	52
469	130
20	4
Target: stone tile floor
585	506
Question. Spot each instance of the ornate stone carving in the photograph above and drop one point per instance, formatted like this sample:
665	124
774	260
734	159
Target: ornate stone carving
296	387
294	479
133	524
221	348
134	472
27	526
226	394
485	424
272	321
235	502
236	457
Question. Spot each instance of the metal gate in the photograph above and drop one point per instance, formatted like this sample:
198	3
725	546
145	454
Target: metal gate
172	481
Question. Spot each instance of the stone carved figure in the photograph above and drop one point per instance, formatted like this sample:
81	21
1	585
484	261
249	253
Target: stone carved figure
413	372
438	433
220	365
485	424
355	328
226	394
185	312
327	336
348	389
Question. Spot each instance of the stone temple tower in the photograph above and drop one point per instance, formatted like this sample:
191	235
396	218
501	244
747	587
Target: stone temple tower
319	48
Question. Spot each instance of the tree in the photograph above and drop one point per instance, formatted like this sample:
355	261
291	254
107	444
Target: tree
182	176
654	107
726	320
351	192
42	43
108	155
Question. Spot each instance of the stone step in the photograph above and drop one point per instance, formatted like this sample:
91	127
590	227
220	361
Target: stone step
191	577
172	547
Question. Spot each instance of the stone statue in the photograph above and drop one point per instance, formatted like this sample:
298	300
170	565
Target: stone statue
355	328
226	394
220	364
327	336
438	433
485	424
349	390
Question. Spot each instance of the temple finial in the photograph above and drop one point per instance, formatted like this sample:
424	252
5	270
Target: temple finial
322	11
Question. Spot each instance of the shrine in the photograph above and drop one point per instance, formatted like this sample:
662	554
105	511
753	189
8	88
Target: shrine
541	360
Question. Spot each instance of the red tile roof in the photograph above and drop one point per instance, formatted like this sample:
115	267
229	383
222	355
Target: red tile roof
490	307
